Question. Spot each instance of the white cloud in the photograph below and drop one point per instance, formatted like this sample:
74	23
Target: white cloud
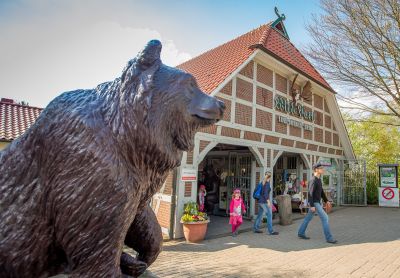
358	103
172	56
38	62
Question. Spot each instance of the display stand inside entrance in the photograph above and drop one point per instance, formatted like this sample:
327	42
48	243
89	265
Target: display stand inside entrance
290	174
304	202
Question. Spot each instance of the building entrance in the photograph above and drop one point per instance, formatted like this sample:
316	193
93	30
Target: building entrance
225	168
290	177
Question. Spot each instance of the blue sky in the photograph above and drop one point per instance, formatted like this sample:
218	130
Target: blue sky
52	46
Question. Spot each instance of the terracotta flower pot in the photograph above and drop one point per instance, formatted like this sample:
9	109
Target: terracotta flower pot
195	231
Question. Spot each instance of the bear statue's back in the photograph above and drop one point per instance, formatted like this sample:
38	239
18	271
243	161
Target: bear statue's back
75	187
42	172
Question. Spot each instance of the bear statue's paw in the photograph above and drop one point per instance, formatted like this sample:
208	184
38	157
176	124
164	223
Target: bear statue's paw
131	266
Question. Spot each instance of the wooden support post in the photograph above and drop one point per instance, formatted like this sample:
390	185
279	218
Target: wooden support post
285	209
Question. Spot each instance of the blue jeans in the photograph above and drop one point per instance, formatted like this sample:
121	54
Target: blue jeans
263	208
324	219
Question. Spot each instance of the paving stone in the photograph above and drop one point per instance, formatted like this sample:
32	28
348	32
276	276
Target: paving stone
369	246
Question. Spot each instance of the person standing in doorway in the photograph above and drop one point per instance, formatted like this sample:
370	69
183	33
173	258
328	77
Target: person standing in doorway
315	193
265	206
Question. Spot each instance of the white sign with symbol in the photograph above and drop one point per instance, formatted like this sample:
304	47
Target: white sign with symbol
388	197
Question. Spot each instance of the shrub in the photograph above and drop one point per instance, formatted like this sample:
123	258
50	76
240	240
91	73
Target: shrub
192	213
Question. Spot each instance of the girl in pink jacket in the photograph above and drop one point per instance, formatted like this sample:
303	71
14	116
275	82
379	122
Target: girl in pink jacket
236	209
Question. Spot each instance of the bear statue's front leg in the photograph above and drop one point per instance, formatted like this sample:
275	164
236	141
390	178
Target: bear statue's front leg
145	237
131	266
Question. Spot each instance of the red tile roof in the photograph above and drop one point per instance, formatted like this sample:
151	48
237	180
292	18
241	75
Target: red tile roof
15	119
214	66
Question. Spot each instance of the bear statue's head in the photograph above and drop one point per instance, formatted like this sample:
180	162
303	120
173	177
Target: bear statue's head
169	100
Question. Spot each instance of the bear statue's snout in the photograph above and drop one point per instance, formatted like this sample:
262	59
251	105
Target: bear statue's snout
206	107
222	105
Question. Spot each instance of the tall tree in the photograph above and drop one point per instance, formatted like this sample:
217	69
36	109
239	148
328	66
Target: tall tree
375	142
356	45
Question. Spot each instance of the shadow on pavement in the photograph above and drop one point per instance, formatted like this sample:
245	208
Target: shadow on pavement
239	271
350	225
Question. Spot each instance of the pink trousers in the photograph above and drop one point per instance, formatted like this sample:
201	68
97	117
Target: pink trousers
236	226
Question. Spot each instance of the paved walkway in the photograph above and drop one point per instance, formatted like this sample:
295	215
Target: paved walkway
219	226
369	246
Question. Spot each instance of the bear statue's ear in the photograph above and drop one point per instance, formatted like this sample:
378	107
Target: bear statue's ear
150	54
148	57
140	71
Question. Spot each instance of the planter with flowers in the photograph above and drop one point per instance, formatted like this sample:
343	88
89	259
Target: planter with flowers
194	223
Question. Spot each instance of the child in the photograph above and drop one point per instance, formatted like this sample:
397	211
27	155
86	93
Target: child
202	194
236	209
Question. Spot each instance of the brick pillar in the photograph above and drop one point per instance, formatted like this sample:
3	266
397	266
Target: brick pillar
162	204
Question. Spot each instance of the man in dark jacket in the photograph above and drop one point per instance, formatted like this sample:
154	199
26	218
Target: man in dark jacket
265	206
315	193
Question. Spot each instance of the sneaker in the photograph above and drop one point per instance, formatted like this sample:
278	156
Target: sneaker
234	234
303	237
258	231
333	241
274	233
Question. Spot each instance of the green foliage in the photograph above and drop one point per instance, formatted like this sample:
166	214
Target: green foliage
191	208
186	218
377	143
192	213
372	187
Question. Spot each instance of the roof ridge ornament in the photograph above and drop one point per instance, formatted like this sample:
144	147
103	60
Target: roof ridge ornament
278	24
281	17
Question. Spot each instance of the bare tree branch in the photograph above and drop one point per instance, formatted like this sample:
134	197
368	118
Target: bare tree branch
376	112
357	46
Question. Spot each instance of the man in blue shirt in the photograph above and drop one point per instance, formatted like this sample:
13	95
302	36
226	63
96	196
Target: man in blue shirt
265	206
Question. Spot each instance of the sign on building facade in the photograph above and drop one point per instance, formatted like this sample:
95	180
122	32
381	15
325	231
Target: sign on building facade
292	108
189	174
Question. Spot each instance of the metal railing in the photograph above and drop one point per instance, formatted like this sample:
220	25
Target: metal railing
352	183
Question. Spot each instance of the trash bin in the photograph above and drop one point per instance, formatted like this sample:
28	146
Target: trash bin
285	209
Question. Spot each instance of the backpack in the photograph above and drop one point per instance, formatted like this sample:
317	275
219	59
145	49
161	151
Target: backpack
257	191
